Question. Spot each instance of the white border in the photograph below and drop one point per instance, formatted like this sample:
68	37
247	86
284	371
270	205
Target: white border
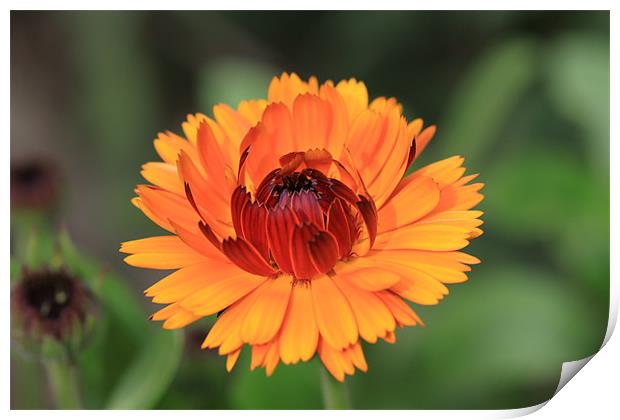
594	394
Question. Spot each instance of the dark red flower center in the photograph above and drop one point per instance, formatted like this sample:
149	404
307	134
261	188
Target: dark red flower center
300	223
279	190
49	296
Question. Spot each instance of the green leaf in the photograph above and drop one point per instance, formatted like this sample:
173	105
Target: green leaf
577	80
111	349
486	97
150	375
16	267
122	302
28	382
34	239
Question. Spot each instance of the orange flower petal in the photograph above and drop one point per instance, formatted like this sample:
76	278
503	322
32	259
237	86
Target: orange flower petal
312	123
259	351
402	313
174	316
431	237
252	110
412	201
458	218
379	149
155	244
424	138
163	175
443	172
300	334
160	252
419	287
340	121
188	280
342	362
271	139
180	319
165	312
385	105
413	130
372	316
233	124
355	96
167	206
213	207
394	167
232	358
220	169
137	202
286	88
265	317
220	293
164	261
356	354
363	273
444	266
190	126
199	243
225	333
331	360
457	198
168	145
333	313
272	358
390	337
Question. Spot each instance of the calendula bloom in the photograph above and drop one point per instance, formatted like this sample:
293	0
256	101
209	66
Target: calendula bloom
290	218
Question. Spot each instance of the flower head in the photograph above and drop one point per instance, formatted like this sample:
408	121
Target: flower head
290	219
49	302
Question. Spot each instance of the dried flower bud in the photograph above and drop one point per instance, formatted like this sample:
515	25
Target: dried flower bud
50	302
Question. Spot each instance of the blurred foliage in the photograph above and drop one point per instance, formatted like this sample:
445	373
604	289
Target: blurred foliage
523	96
149	376
289	388
487	97
249	77
464	352
573	59
120	361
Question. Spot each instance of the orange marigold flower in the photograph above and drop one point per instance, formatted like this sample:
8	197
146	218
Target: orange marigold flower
290	219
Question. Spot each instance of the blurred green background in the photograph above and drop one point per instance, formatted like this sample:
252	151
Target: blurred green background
524	96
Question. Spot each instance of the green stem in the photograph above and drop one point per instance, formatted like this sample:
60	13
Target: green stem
63	383
335	394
